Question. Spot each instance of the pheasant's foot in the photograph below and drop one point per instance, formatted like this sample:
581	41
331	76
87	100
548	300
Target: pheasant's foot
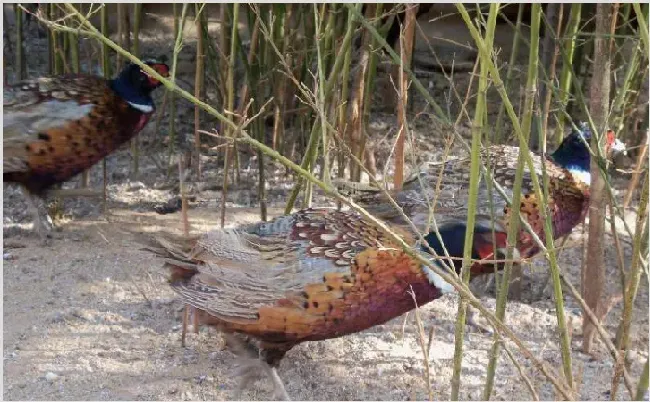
42	227
248	370
279	392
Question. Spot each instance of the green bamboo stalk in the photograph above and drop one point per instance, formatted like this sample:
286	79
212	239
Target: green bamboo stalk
474	180
312	145
106	68
50	39
569	46
321	95
639	248
199	77
135	148
120	32
281	79
642	18
57	45
76	69
642	388
498	137
21	71
178	32
624	93
549	248
371	75
230	105
345	89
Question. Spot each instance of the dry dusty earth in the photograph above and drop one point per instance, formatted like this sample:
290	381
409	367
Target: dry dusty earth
91	318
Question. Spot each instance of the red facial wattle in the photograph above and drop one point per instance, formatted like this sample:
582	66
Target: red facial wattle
161	69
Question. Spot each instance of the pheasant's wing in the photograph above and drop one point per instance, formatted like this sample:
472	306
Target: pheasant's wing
442	187
33	109
310	275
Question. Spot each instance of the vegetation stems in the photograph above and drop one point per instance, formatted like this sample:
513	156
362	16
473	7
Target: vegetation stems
569	45
281	88
106	68
474	181
641	17
593	271
50	39
178	32
356	108
407	37
230	106
498	129
120	33
639	248
199	76
135	147
642	388
345	90
332	79
550	81
20	70
321	94
641	160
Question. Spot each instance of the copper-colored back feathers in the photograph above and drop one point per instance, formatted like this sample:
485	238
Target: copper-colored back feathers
312	275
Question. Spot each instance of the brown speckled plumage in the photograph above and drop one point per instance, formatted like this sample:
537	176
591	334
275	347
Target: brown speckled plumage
312	275
56	127
445	186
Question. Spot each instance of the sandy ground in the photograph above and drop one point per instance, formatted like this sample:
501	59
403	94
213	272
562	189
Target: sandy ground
91	316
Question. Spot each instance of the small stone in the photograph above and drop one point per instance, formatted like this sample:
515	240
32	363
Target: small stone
51	377
135	186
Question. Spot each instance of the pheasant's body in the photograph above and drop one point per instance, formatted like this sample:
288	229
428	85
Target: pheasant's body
57	127
309	276
445	187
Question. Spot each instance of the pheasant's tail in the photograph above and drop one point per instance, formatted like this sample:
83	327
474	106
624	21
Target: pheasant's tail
175	250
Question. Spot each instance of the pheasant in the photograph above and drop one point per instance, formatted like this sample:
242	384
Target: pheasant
567	169
57	127
312	275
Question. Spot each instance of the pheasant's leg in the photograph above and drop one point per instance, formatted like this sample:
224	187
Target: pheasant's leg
186	312
195	320
279	392
248	370
39	225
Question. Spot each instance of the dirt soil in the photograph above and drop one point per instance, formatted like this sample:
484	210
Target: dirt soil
91	317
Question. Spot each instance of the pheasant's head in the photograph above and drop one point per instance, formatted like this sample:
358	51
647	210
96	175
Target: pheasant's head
135	86
573	153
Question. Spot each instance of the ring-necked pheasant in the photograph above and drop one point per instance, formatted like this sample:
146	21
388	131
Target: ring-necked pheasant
312	275
57	127
446	187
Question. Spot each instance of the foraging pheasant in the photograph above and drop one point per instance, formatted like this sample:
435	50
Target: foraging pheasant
55	128
567	169
312	275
